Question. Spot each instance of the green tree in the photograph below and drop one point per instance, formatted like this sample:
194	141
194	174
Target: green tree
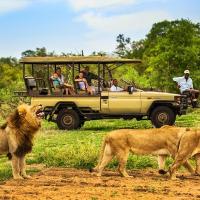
10	78
171	47
123	45
168	49
129	49
38	52
137	49
10	71
100	53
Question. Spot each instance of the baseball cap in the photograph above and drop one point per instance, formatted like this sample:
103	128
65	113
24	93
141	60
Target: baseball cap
186	71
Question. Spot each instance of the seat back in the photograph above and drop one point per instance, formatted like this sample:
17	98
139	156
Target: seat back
30	83
32	86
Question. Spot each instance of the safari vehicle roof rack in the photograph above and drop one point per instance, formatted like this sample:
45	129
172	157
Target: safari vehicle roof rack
77	60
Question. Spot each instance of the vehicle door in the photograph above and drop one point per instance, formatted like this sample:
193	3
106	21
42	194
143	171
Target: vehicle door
124	102
104	102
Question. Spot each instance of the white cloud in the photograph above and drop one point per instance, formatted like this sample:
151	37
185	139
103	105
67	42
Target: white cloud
79	5
126	23
12	5
88	4
104	29
103	25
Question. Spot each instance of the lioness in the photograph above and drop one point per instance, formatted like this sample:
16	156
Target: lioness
16	136
162	142
189	147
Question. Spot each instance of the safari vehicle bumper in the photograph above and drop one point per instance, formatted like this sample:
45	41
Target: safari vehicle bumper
178	108
184	102
183	105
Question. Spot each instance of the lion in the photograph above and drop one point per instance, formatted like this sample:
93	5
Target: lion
17	134
163	142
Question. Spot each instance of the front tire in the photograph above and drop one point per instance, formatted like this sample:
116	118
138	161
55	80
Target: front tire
162	115
68	120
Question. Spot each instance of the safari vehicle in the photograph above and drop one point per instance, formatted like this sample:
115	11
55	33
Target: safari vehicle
71	111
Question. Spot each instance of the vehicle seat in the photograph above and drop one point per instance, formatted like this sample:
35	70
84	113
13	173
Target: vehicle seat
30	83
33	87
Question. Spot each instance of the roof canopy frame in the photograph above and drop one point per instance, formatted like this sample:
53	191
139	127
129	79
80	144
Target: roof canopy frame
78	60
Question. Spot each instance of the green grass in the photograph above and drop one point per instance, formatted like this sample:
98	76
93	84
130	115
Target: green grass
5	169
80	148
192	119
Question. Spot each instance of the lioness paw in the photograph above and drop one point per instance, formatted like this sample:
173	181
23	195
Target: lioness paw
197	173
26	176
18	177
127	176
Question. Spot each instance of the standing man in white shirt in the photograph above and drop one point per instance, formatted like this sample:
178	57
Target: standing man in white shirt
185	84
115	87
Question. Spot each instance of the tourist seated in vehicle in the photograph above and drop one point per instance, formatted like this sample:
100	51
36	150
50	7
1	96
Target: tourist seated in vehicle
55	80
115	87
83	84
89	76
59	82
185	85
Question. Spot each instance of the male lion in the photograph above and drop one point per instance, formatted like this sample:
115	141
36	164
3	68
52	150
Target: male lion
16	136
162	142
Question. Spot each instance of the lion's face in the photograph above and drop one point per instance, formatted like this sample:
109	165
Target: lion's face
31	116
37	111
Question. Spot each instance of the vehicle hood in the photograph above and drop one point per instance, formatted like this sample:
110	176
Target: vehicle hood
159	95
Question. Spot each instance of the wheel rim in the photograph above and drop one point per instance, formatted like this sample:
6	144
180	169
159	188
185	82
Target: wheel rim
163	118
67	120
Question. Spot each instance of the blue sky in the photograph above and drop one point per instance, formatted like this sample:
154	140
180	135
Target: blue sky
89	25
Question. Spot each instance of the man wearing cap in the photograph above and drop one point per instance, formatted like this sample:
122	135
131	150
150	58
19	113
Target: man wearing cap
185	84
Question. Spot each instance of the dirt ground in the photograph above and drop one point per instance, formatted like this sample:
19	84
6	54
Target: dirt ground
62	183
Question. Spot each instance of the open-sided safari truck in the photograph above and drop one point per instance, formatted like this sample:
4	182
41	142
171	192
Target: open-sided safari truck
70	111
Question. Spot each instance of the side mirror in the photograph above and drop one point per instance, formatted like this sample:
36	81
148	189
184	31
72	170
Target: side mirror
131	89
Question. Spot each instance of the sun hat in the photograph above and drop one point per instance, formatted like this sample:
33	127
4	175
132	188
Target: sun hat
186	71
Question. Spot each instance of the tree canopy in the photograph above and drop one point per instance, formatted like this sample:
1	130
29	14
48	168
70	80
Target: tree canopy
168	49
37	52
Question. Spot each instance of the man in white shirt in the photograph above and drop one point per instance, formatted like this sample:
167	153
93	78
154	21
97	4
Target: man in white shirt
185	84
115	87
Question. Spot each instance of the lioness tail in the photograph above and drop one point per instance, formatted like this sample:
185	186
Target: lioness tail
100	155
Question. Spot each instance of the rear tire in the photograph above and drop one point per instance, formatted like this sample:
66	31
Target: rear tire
68	120
162	115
